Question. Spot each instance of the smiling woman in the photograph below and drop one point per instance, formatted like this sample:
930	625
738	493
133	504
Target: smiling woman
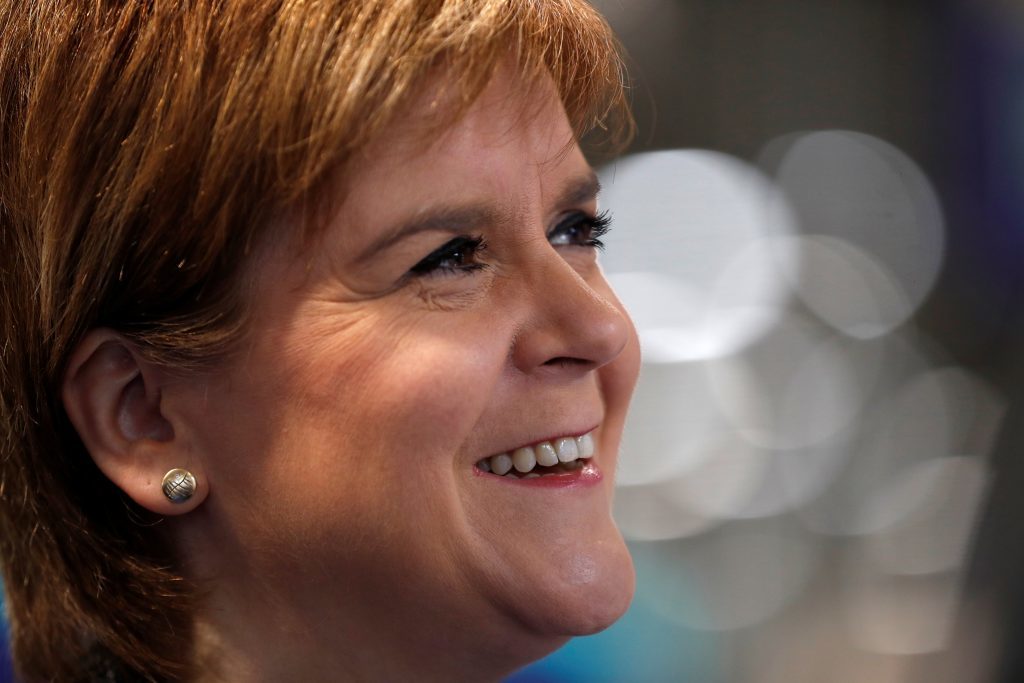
308	369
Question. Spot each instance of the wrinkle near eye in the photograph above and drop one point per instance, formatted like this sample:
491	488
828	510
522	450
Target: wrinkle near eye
447	297
340	293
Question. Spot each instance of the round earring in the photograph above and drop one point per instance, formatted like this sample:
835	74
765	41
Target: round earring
178	485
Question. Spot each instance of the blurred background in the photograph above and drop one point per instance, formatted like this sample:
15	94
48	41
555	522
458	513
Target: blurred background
819	234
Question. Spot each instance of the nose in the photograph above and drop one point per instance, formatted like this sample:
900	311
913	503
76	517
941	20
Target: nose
572	327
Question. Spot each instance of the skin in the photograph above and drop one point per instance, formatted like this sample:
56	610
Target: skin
341	527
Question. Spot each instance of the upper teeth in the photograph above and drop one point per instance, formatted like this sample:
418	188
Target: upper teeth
525	458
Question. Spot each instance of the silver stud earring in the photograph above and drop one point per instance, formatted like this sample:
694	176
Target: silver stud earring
178	485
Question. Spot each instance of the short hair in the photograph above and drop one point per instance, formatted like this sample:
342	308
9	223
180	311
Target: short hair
144	147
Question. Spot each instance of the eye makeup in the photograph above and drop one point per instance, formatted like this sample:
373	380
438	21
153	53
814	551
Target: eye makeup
457	255
581	230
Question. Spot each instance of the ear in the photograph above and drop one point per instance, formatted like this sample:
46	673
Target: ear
112	396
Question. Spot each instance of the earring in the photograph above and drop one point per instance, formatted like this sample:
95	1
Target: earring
178	485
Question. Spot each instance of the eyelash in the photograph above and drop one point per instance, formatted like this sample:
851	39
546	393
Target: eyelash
596	227
465	247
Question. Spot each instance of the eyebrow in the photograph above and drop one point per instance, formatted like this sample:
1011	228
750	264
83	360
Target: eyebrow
471	217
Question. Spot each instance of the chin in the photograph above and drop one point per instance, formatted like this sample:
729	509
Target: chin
594	588
603	606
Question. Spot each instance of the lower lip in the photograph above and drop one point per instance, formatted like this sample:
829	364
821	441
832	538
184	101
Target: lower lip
586	476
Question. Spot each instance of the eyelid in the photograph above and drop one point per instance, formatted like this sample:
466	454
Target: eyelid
597	226
445	248
462	246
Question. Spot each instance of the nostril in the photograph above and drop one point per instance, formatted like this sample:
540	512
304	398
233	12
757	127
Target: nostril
566	361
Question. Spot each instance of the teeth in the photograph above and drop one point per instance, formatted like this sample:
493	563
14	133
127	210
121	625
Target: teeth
567	450
546	454
523	459
585	444
501	464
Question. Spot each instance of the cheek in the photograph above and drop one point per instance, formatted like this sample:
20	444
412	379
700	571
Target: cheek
388	399
342	431
432	395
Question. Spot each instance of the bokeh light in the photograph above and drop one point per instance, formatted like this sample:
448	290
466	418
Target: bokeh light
872	231
933	506
711	292
793	388
674	422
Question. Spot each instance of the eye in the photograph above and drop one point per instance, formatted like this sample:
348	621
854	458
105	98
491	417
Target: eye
458	255
581	230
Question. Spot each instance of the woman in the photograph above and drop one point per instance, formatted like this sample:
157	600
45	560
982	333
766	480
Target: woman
296	296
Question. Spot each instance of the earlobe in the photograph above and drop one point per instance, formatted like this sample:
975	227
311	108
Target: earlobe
112	397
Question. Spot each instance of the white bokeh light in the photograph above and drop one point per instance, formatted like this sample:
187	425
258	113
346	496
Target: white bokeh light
725	486
917	419
672	424
657	512
923	424
792	389
938	502
877	224
687	260
848	288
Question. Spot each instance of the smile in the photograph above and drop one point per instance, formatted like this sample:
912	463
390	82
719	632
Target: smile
560	456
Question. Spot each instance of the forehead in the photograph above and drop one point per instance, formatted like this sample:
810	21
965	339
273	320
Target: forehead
512	148
514	124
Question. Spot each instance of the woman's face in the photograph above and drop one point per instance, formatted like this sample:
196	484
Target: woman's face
453	310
